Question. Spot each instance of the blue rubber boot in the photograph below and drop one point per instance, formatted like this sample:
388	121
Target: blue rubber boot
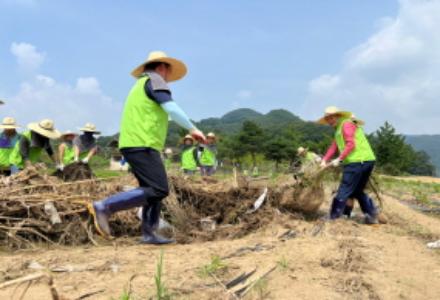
150	223
368	208
102	210
337	208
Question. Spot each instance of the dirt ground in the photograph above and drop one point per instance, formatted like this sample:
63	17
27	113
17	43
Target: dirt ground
305	259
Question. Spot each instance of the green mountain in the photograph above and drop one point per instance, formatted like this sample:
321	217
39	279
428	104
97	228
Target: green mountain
428	143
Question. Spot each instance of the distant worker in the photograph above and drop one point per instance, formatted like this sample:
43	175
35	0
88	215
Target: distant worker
144	127
207	155
84	145
188	157
8	139
66	153
358	159
307	156
167	158
32	143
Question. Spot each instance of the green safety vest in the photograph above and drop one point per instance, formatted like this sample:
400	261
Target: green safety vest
144	122
310	157
5	153
34	153
187	160
362	151
167	163
207	158
69	154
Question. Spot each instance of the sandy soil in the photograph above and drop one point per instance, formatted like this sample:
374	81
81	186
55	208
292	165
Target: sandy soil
318	260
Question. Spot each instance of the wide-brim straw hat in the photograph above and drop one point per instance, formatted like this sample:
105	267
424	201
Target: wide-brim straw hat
357	121
188	137
9	123
301	150
67	133
178	68
89	127
334	111
211	135
45	128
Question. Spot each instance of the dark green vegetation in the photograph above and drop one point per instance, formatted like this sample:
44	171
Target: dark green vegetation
428	143
251	138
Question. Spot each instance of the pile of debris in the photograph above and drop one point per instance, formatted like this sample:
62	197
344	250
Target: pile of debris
74	172
36	208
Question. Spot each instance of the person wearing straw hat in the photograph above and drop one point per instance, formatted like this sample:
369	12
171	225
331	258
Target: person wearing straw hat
84	145
307	158
143	131
207	155
188	156
8	139
357	158
66	151
167	158
32	143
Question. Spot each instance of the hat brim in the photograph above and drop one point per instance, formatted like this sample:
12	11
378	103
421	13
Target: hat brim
345	114
9	126
88	130
51	134
68	134
178	68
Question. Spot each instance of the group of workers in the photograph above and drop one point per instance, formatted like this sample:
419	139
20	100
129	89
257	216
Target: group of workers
143	131
20	150
142	138
201	156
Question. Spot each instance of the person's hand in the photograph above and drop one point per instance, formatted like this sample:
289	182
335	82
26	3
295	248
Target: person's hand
85	160
198	135
60	167
323	164
336	162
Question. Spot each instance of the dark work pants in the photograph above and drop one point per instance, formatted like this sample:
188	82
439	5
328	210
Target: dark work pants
147	166
354	180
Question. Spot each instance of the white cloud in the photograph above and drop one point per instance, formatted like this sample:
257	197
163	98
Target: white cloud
28	58
70	106
244	94
394	75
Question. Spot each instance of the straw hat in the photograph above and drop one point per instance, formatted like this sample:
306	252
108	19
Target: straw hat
301	150
178	68
357	121
68	132
45	128
188	137
211	135
168	151
9	123
334	111
89	127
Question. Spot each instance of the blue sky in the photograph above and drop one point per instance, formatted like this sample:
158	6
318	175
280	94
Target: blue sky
70	60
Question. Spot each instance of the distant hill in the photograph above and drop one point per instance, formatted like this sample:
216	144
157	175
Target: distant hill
428	143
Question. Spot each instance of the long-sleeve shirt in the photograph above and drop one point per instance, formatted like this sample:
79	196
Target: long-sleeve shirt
348	133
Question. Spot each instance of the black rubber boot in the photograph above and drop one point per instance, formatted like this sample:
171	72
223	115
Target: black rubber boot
150	223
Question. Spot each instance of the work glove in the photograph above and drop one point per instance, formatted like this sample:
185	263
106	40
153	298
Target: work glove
318	159
198	135
323	164
336	162
85	160
60	167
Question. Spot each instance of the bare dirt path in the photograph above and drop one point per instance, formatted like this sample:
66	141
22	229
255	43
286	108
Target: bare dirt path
337	260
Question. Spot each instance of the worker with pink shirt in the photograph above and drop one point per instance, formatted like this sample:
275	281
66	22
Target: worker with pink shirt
358	159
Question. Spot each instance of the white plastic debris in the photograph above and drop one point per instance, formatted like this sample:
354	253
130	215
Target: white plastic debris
49	209
434	245
259	202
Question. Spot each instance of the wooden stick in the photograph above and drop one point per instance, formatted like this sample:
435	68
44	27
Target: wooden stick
26	278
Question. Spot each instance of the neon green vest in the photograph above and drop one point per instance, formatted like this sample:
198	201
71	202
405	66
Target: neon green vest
69	154
34	152
362	151
188	161
310	157
207	158
5	153
144	123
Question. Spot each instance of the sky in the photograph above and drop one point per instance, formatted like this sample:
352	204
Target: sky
71	60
